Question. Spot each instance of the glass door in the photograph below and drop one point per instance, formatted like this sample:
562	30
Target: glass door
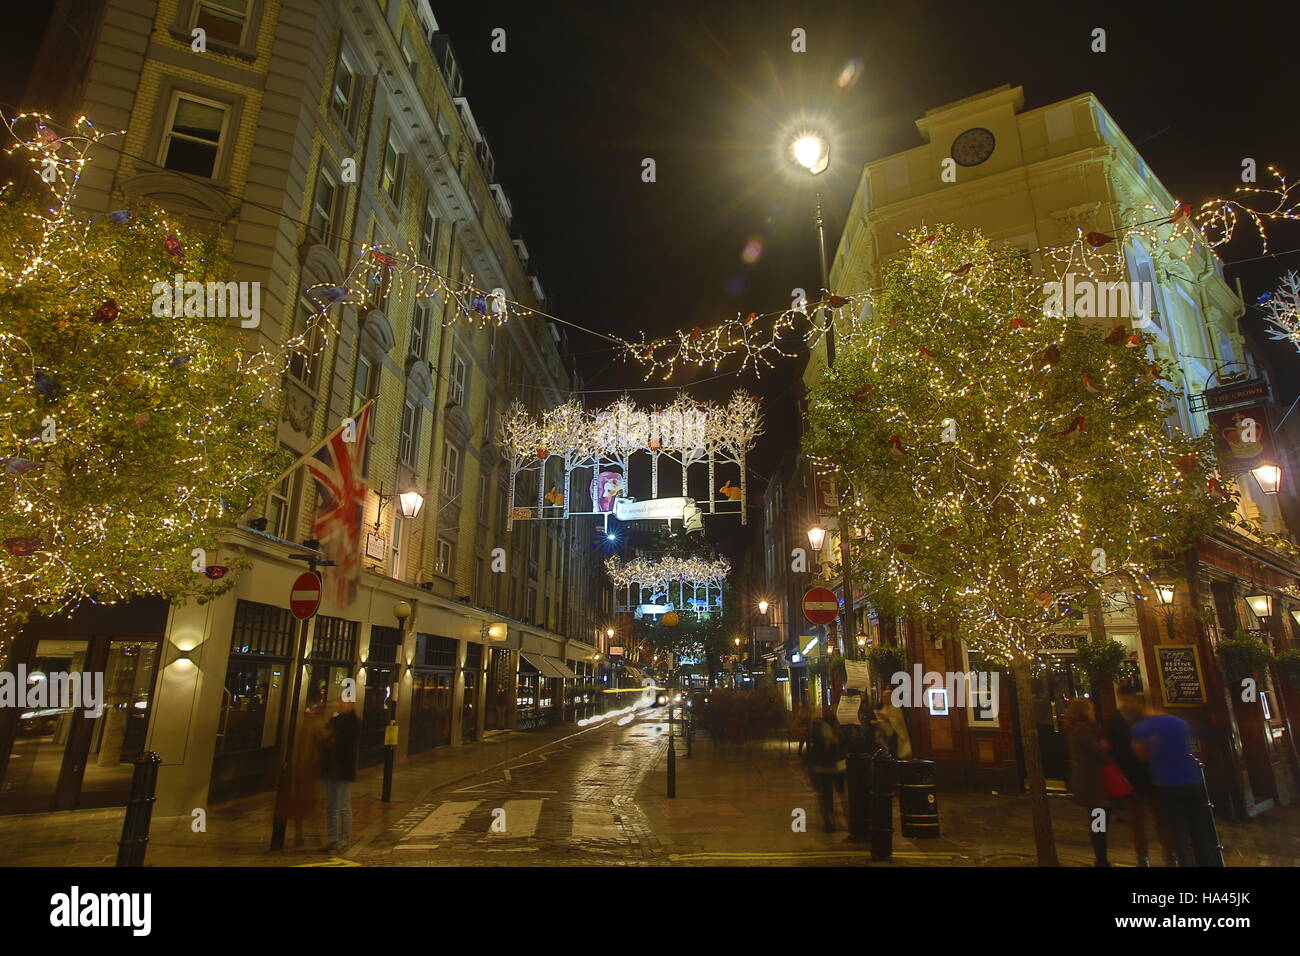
83	722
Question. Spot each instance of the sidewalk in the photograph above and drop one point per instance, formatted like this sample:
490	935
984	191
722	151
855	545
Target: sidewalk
238	832
734	806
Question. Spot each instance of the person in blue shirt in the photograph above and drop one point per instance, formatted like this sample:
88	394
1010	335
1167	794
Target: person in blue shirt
1165	743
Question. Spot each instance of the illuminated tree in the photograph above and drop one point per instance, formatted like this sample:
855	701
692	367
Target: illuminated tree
1000	462
131	433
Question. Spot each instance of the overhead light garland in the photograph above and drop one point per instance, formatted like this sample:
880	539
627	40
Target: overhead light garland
659	572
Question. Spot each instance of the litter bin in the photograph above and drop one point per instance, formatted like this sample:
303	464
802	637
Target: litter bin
859	795
918	804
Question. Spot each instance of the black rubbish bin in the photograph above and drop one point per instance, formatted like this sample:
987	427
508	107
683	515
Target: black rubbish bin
918	804
859	795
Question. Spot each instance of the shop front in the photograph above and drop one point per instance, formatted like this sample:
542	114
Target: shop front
472	675
432	692
379	705
56	753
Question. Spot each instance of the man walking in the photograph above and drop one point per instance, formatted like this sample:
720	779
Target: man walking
339	771
1163	741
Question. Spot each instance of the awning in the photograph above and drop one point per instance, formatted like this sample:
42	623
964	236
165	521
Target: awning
567	672
633	672
548	666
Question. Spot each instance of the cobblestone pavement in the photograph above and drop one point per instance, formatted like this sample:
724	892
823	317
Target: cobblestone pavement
571	803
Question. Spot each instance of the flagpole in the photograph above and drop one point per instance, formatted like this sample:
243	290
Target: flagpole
302	460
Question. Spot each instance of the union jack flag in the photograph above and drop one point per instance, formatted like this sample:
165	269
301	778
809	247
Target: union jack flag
340	504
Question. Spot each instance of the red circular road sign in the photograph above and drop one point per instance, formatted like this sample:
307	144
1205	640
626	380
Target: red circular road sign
304	598
820	605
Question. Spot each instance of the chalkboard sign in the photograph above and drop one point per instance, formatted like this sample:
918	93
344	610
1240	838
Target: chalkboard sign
1180	675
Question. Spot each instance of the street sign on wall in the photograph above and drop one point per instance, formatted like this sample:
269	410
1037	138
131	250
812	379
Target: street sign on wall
304	596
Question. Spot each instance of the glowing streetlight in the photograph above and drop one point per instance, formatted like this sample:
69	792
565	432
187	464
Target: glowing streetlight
812	152
817	537
762	607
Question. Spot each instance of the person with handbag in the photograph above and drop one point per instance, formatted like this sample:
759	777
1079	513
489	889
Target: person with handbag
1094	778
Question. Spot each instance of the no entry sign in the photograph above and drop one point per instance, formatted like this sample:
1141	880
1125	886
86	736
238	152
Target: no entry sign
304	599
820	605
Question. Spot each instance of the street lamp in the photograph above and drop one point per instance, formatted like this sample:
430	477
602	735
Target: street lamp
816	538
1262	605
812	151
1269	478
1165	595
762	607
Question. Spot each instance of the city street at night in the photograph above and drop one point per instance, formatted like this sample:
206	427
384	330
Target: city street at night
453	442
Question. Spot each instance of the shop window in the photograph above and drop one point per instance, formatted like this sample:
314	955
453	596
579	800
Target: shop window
333	655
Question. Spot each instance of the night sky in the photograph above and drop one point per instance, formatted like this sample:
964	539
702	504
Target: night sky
586	91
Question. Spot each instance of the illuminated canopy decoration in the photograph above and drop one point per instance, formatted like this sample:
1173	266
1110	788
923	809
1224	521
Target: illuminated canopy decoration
684	436
645	586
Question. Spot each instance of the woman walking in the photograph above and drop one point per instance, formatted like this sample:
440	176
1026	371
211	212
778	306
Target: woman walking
1087	758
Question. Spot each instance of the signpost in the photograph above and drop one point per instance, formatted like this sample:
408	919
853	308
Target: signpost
820	606
304	602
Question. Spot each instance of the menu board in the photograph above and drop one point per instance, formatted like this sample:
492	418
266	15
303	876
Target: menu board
1180	675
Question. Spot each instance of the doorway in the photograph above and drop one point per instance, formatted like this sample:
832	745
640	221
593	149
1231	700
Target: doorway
59	754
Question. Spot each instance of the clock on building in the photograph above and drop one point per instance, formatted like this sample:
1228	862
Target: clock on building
973	146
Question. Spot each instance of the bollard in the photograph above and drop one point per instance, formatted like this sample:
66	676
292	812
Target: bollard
390	755
918	804
858	782
139	810
672	768
1205	833
884	769
690	733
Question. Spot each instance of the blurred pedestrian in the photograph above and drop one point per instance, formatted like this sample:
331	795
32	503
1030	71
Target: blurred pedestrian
339	771
1141	804
1165	743
826	763
1087	757
891	729
304	797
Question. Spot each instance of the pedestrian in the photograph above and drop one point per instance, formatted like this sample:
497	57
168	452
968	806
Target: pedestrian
1087	757
303	801
826	764
1141	804
891	729
1165	743
339	771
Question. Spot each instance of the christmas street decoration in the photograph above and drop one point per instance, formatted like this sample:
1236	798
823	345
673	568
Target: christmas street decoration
570	460
646	586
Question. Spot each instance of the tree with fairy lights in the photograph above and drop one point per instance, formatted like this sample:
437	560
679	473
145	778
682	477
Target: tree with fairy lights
132	432
1000	458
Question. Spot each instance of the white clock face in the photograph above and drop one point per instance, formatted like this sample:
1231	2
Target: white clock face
973	146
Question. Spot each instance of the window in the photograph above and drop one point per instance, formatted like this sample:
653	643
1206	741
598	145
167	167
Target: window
409	445
408	53
390	175
323	209
279	505
489	422
192	141
304	350
480	580
364	387
347	87
420	330
443	129
450	470
484	489
223	20
400	532
442	562
429	236
530	604
457	382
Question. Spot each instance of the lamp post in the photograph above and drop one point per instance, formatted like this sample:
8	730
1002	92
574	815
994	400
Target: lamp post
1165	595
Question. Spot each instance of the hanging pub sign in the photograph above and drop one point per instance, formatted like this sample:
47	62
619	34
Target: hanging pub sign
1227	395
1180	675
827	500
1242	438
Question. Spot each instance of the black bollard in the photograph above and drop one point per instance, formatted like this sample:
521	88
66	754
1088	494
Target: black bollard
672	768
858	781
884	770
1205	833
139	810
